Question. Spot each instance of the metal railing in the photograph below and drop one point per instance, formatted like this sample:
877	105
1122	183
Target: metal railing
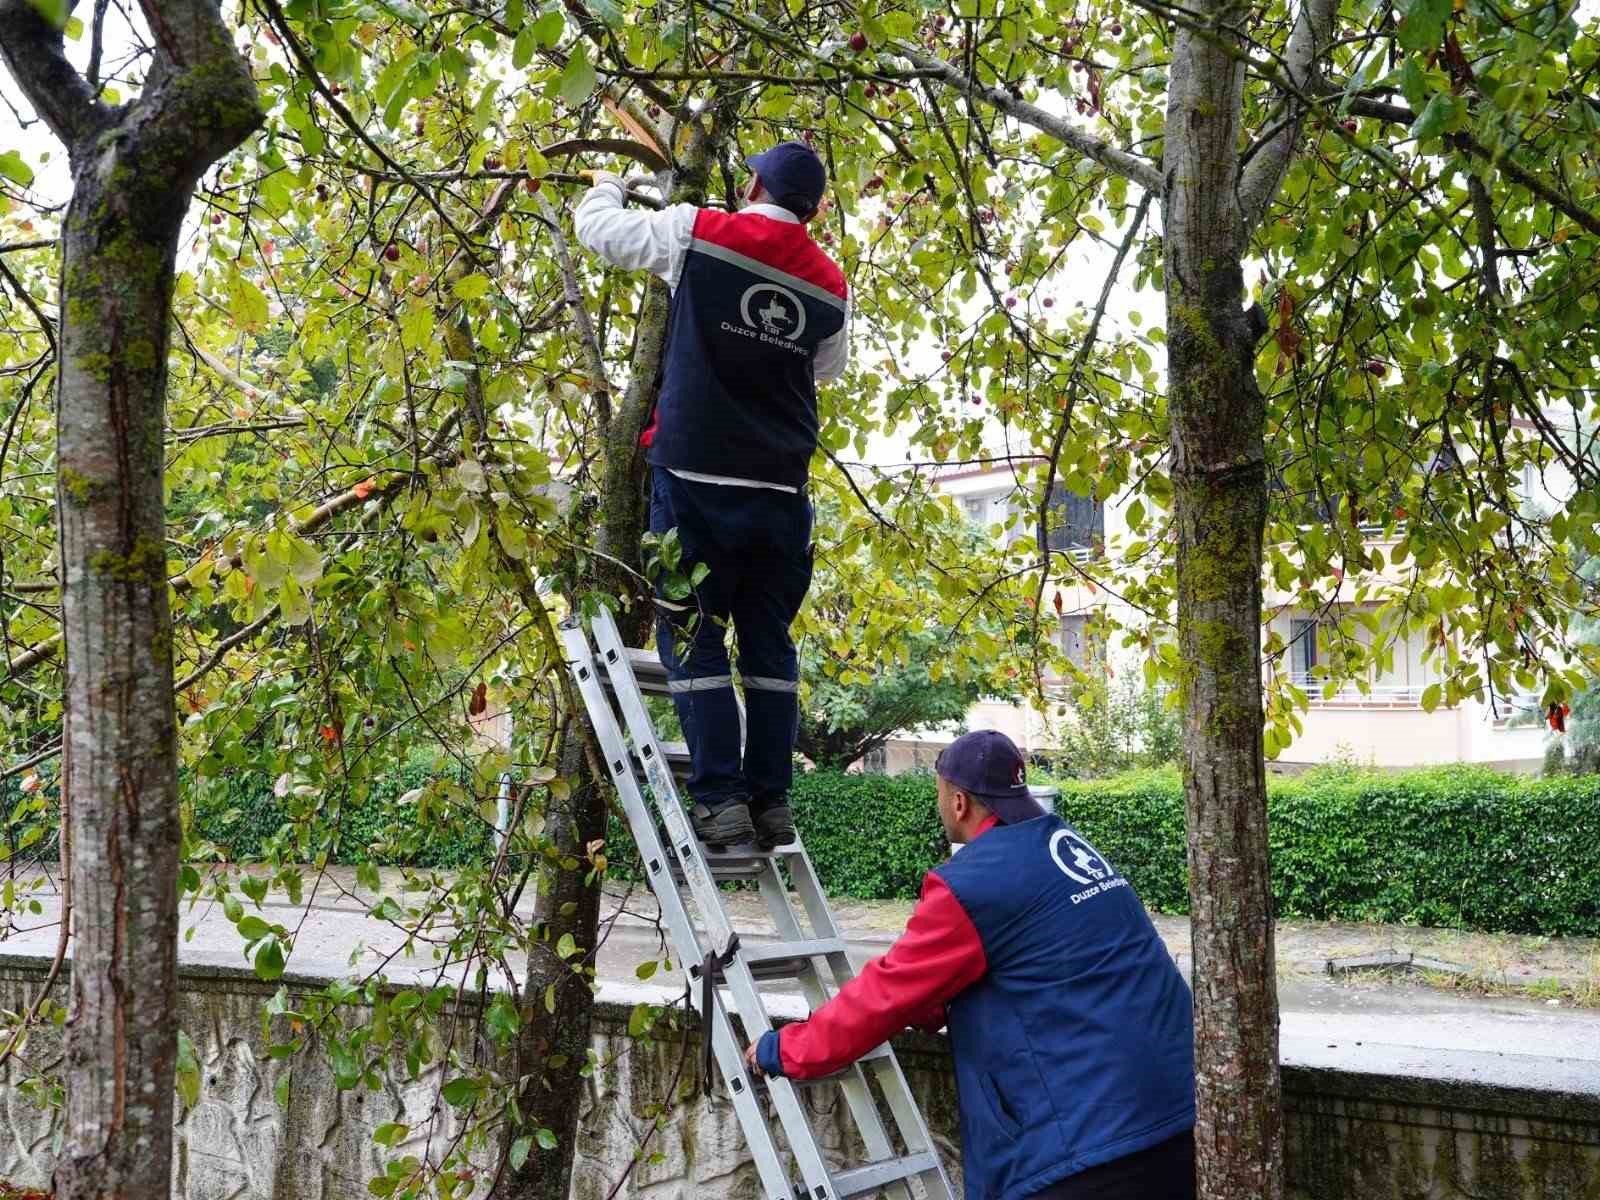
1377	695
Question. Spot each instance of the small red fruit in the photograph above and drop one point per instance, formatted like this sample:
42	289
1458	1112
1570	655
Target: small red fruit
947	356
392	252
1078	67
1011	301
1350	125
874	183
532	186
1376	367
871	92
1116	30
491	164
333	89
216	218
858	42
1048	302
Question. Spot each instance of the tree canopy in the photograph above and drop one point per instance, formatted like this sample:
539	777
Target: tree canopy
403	408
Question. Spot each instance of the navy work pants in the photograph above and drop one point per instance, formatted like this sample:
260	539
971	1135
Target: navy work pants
756	543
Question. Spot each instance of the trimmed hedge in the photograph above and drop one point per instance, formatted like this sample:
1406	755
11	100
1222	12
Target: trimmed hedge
1456	847
241	815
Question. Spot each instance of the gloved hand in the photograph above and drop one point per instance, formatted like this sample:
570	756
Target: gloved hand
593	177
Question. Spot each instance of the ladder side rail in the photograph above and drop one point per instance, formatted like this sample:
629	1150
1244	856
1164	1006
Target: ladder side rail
853	1084
891	1079
730	1057
703	887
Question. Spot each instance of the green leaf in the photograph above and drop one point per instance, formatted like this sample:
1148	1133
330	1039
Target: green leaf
549	28
567	946
1423	26
461	1091
639	1020
255	887
346	1066
407	12
187	1075
253	927
1436	117
269	962
15	169
546	1139
390	1133
646	969
522	54
519	1152
578	80
294	603
247	304
53	11
1430	697
472	287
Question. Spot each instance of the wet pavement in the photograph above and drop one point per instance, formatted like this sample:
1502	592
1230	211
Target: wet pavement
1360	1022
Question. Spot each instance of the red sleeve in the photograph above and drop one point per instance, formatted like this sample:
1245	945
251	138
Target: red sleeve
937	957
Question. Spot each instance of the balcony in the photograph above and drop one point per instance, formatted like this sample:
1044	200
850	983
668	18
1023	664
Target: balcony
1377	695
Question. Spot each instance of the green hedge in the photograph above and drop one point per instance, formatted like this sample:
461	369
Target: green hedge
1455	847
242	816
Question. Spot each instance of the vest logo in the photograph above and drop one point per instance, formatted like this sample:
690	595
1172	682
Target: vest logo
774	310
1086	865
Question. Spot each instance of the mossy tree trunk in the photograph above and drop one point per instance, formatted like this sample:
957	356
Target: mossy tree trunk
134	170
1218	418
566	904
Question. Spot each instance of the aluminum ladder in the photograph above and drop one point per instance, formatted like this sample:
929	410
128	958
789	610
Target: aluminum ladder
612	679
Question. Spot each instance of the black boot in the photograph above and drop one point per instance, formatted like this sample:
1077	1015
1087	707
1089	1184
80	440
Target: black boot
774	826
727	825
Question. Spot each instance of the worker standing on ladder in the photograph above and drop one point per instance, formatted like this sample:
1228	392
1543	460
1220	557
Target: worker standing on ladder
1071	1029
759	314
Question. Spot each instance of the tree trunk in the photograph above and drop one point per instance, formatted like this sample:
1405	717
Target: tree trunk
565	903
134	170
1219	480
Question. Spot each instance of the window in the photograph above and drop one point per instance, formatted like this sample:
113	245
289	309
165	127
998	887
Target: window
1302	648
976	508
1075	522
1079	642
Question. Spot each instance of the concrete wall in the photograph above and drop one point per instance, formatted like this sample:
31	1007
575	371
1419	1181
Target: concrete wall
1353	1135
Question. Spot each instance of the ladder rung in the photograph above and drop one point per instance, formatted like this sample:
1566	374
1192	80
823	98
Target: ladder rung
870	1178
781	960
747	863
771	951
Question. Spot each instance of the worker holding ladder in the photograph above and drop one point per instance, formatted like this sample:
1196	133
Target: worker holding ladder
759	315
1071	1029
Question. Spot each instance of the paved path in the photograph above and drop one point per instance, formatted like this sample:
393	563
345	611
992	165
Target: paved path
1382	1025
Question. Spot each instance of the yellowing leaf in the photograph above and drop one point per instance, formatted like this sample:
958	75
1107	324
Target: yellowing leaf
246	302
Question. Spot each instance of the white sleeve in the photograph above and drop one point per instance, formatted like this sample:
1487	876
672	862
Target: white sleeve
634	240
833	354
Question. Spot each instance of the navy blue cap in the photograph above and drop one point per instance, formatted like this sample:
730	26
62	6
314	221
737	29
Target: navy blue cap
986	765
793	176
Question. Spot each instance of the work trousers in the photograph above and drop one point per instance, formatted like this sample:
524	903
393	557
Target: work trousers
1163	1172
756	544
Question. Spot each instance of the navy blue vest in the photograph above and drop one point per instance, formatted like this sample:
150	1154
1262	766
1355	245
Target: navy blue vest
756	298
1077	1046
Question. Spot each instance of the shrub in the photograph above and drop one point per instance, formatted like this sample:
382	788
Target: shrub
242	816
1458	847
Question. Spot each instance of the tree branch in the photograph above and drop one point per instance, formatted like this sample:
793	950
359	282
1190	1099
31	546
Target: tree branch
1131	166
35	52
1313	31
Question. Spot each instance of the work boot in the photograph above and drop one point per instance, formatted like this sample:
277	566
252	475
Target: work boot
727	825
774	826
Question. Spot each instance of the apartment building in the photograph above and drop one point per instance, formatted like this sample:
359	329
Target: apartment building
1378	721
